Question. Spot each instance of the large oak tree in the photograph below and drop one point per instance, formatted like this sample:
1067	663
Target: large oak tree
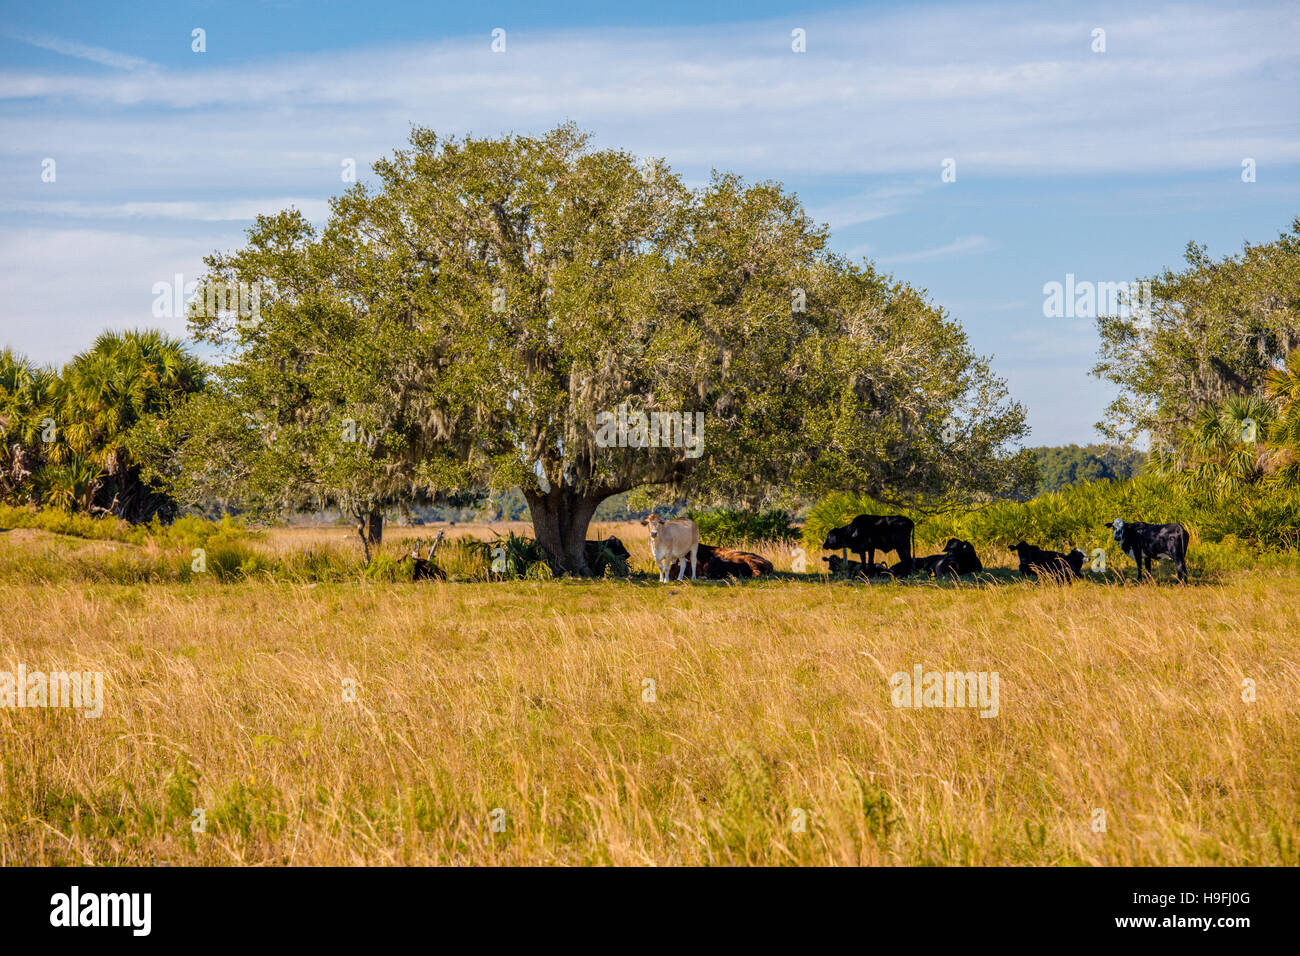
472	313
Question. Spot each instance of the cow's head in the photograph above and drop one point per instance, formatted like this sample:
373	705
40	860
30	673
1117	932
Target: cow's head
1020	546
653	522
836	539
953	543
1118	526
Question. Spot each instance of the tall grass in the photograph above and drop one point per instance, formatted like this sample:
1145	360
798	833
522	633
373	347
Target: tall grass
531	698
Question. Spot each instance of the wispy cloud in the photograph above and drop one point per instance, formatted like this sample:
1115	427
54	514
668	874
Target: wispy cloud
877	92
217	210
879	203
959	247
75	48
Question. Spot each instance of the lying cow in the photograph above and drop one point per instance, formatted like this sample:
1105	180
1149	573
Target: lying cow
606	556
856	569
1035	561
957	558
674	540
1143	542
423	569
866	534
917	565
615	547
720	563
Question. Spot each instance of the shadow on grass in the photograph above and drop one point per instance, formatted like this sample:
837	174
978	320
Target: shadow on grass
991	577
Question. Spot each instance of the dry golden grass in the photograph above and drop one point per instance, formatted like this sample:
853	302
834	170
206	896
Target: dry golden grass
773	696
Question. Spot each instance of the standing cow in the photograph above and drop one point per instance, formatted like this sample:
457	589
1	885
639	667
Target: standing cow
1142	542
868	533
673	541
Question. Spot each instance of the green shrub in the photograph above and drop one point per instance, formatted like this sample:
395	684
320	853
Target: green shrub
386	568
192	531
224	560
520	555
731	528
103	528
604	563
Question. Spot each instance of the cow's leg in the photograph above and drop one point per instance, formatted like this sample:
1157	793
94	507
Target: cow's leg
695	560
871	559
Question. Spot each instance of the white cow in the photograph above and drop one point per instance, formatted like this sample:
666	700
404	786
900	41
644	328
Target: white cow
672	541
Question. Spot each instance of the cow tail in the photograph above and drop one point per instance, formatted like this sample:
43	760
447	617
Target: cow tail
913	557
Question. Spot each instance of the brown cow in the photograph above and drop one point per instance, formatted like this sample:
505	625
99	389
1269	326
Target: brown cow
718	563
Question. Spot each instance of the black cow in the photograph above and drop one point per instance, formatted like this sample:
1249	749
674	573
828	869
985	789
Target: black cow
918	565
615	546
957	558
868	533
1034	561
1143	542
838	565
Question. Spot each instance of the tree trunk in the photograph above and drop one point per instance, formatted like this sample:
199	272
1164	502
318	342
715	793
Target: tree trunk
560	520
370	528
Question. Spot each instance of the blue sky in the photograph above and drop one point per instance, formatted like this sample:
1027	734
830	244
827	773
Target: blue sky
1100	164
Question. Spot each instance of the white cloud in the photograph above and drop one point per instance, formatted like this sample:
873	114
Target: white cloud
879	203
958	247
222	210
60	288
1004	90
81	51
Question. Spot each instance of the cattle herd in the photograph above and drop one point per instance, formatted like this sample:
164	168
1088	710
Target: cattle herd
677	540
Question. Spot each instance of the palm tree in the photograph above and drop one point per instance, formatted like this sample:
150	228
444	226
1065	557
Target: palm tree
1284	389
28	400
1226	450
71	486
123	380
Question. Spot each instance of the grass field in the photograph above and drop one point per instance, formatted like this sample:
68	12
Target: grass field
511	723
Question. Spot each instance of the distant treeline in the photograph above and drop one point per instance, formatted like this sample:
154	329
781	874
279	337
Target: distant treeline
1061	466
